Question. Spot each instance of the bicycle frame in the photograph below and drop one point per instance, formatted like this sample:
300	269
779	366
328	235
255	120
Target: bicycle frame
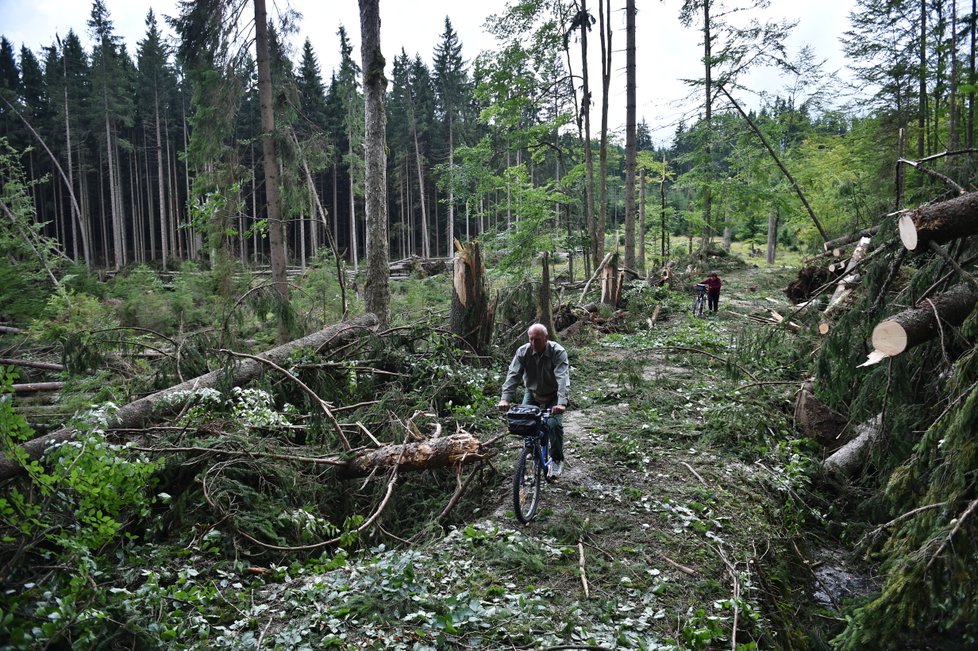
531	467
699	301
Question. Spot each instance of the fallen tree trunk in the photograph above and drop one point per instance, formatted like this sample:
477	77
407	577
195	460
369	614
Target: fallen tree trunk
441	452
839	242
38	387
939	223
134	414
920	324
848	459
27	363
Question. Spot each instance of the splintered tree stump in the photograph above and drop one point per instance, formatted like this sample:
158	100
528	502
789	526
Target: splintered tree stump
920	324
473	311
442	452
939	223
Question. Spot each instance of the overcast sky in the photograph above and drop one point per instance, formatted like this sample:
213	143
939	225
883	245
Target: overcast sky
666	51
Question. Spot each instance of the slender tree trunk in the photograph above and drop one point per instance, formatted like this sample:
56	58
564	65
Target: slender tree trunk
772	235
354	251
164	219
630	84
589	201
425	242
450	230
641	224
113	205
270	164
604	27
922	77
972	77
377	293
708	110
953	142
662	208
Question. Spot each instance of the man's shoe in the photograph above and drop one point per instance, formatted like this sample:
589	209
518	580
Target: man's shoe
556	467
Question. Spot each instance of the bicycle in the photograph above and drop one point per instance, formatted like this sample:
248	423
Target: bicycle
530	422
699	299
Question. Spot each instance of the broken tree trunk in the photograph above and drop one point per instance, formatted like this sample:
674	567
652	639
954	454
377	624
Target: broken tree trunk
920	324
848	459
939	223
136	413
441	452
472	310
545	313
844	288
609	282
816	420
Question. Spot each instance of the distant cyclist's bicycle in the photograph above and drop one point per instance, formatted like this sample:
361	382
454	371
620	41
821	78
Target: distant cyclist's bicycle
699	299
530	422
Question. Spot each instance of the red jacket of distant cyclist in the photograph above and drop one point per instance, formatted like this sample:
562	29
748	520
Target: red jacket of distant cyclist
713	284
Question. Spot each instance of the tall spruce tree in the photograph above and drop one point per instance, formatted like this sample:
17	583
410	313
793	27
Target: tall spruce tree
451	89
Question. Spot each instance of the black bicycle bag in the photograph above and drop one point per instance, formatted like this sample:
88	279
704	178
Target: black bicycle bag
523	419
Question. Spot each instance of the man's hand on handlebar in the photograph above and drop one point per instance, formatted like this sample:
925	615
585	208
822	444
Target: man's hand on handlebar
556	410
503	406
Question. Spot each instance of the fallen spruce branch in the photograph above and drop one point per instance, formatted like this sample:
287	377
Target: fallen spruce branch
142	410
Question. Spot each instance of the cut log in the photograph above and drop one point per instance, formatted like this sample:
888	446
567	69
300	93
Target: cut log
939	223
920	324
848	459
9	330
844	288
442	452
135	414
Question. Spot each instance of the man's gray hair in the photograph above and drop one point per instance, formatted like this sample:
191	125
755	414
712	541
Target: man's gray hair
538	327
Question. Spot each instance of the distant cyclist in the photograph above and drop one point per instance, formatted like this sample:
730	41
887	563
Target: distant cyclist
543	366
713	284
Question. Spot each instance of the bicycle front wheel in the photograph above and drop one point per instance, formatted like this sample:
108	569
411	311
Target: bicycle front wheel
526	485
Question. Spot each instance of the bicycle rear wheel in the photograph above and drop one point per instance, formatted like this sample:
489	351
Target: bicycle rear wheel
698	306
526	485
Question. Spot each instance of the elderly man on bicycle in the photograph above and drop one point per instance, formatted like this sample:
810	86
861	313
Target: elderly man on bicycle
543	366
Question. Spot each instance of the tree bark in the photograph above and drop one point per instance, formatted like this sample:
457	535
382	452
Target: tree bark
609	281
920	324
276	238
940	222
630	84
377	292
136	413
848	459
434	453
472	313
545	314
